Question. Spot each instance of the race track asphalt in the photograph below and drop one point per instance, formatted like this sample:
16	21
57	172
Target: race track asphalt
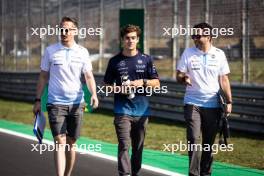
17	159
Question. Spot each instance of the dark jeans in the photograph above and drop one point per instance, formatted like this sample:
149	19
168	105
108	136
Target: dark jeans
206	121
130	129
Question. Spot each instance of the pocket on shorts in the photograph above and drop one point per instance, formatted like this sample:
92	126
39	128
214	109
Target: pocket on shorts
56	113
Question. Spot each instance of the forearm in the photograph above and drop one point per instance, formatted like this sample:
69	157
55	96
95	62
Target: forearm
113	88
226	88
90	82
137	83
153	83
43	79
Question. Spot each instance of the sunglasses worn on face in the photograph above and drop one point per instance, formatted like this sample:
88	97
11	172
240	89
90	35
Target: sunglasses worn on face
63	30
66	30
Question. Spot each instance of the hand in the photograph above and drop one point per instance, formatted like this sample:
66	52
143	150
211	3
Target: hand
126	89
137	83
94	101
228	109
36	107
187	80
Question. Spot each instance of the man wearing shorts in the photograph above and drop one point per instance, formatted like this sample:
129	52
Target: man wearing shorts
61	67
131	110
201	69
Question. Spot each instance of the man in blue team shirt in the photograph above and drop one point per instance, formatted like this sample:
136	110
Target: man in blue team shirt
131	112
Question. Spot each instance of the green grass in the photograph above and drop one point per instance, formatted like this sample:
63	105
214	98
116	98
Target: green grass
256	71
163	66
248	148
21	63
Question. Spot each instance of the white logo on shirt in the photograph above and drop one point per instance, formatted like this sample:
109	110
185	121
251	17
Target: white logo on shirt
122	63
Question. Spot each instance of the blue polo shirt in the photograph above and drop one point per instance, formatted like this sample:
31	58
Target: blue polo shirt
136	67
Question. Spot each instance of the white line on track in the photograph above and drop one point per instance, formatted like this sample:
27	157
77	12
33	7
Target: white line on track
96	154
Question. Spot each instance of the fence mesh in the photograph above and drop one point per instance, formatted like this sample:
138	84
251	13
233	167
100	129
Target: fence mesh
21	51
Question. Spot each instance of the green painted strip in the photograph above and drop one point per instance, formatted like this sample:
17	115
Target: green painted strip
87	98
171	162
44	99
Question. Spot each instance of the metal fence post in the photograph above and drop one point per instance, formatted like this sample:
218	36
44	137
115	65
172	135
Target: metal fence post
245	41
187	22
101	37
175	39
3	35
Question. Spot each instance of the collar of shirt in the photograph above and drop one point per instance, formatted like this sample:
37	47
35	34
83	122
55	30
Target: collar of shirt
74	47
123	56
211	50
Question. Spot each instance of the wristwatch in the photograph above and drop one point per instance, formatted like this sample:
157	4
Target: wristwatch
145	82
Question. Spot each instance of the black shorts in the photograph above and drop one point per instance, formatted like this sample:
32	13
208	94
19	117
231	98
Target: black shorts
65	119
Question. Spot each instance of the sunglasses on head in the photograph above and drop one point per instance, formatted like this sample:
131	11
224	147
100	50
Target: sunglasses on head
198	36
